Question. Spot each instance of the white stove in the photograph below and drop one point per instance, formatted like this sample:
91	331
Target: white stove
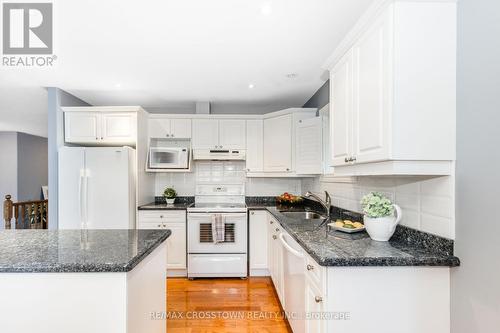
217	232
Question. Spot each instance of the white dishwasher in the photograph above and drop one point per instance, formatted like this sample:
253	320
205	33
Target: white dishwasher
294	282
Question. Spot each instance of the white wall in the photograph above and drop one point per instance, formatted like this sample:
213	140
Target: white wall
427	202
8	174
475	291
224	172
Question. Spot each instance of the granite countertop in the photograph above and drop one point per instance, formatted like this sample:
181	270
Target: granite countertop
335	248
28	251
164	206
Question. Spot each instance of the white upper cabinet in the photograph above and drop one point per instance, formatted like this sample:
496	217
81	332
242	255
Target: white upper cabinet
82	127
309	146
219	134
170	128
100	128
340	106
232	134
278	144
255	145
118	127
205	134
392	92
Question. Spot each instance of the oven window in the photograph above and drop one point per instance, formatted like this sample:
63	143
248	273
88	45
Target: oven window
165	157
206	233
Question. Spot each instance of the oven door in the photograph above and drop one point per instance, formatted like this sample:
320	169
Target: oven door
200	233
168	158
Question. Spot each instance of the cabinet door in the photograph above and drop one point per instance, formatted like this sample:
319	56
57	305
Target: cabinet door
255	146
314	307
309	146
205	134
341	110
232	134
176	246
371	104
270	244
118	127
278	144
159	128
180	128
82	127
258	233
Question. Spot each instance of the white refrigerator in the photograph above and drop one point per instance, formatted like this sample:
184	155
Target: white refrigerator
96	188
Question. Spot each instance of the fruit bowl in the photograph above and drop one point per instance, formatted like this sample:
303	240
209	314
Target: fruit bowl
289	199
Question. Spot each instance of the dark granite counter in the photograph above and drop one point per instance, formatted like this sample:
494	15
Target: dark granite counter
334	248
27	251
160	204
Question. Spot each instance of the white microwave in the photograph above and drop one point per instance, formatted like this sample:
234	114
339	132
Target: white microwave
168	158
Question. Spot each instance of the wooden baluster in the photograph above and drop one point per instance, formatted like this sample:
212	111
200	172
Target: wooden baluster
7	211
23	217
37	216
16	215
46	204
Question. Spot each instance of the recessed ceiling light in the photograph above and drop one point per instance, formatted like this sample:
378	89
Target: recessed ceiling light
266	9
251	86
292	75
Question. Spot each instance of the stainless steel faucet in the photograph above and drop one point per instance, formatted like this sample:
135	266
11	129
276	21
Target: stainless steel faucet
325	203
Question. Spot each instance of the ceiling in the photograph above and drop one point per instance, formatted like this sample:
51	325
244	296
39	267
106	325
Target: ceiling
168	54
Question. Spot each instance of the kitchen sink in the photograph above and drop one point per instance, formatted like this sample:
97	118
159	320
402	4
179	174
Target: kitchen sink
303	215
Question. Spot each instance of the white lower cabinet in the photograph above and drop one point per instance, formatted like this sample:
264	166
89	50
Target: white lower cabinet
174	220
258	247
314	308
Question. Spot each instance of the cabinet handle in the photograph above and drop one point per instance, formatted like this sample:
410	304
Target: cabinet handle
287	169
102	138
271	222
310	267
274	237
97	138
277	229
161	216
353	159
171	135
318	299
168	135
346	160
248	170
159	225
253	213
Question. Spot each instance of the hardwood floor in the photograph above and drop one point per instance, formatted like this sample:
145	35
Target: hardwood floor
224	305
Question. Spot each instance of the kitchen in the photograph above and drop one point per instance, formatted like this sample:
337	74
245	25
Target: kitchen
342	211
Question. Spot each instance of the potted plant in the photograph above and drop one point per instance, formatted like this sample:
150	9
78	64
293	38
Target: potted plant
380	220
169	194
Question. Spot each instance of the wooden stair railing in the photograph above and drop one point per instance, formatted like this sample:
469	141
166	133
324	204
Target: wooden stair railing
27	214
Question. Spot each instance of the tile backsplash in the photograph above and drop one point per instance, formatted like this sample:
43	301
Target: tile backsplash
224	172
427	202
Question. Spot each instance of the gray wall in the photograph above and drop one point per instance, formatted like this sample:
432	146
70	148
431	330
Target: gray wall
475	291
32	166
56	99
320	98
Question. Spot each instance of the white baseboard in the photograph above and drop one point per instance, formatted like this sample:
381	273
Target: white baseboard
176	272
259	272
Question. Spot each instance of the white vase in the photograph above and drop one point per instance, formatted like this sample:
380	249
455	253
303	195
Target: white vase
170	201
382	228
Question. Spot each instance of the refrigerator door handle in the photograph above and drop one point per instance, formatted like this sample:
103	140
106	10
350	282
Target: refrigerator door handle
86	199
80	197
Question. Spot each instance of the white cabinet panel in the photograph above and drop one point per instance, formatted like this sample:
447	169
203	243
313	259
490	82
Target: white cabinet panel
277	144
176	246
309	146
159	128
371	95
82	127
180	128
176	243
314	308
258	240
205	134
232	134
119	127
340	110
255	145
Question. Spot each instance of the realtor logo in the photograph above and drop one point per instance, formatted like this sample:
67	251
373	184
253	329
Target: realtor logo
27	28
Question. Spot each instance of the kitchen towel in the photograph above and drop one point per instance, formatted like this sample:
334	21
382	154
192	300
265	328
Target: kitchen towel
218	226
